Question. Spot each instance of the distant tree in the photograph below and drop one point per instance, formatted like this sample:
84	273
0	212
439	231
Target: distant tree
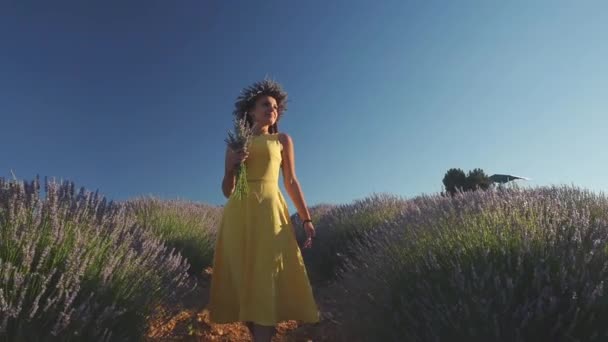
454	179
477	179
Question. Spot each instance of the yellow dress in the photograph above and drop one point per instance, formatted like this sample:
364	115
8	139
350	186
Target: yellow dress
258	271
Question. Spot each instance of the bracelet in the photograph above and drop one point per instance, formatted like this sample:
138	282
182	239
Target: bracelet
304	222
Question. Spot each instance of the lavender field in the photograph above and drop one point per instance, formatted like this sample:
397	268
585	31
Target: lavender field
502	265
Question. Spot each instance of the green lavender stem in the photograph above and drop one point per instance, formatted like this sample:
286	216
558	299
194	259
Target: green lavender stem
241	188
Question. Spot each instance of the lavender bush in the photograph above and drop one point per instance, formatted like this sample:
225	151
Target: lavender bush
75	267
341	227
317	212
188	227
504	265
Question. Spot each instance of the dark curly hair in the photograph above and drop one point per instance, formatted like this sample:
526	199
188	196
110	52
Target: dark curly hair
249	95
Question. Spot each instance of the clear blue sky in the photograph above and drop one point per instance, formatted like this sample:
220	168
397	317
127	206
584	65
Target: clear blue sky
135	97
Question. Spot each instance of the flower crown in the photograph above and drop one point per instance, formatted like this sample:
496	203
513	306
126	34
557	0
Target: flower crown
249	95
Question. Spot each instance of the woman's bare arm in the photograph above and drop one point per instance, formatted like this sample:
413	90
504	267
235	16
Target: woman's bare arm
229	181
289	177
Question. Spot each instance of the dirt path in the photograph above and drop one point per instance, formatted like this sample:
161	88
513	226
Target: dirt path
192	322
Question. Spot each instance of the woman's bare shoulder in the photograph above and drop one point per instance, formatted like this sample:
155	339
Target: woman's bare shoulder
285	139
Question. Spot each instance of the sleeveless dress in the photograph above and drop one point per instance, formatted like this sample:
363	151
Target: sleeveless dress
258	271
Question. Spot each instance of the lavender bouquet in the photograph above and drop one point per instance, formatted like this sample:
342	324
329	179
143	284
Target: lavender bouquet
238	141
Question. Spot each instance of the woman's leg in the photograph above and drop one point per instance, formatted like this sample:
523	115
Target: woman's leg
262	333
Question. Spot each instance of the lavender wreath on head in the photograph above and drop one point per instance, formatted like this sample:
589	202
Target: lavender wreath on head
246	100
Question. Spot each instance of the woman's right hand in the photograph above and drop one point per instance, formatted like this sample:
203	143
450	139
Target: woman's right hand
235	158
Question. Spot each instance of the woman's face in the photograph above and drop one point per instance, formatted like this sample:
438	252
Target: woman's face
265	111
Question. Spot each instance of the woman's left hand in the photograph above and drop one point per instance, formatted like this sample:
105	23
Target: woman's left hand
310	234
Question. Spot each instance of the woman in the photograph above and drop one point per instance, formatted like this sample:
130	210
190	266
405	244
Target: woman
259	276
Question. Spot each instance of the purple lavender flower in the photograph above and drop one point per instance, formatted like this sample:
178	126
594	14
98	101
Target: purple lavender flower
72	264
